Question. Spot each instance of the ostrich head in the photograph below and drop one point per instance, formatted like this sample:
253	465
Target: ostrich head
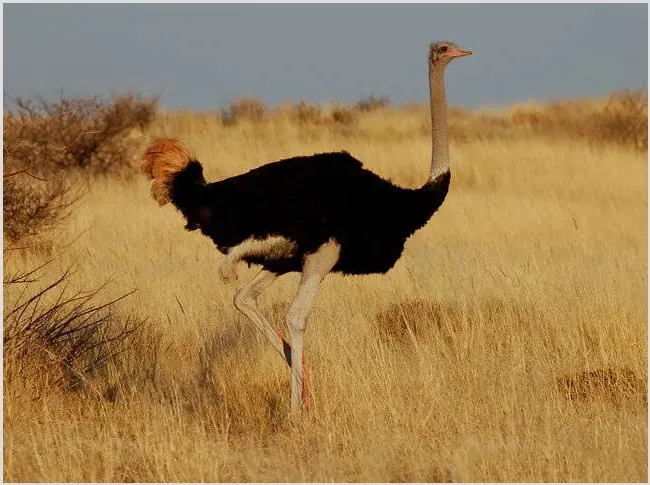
441	52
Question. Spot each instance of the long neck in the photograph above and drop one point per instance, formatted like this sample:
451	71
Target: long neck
439	130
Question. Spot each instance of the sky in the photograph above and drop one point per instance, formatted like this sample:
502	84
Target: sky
203	56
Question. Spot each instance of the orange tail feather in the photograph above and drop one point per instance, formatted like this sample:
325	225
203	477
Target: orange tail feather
164	158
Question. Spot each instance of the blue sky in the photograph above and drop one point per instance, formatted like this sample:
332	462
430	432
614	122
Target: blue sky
202	56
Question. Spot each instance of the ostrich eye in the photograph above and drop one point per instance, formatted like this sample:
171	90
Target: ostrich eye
443	48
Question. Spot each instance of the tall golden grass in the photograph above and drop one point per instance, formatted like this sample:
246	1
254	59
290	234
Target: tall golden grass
508	344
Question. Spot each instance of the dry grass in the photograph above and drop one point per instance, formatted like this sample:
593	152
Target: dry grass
56	338
508	344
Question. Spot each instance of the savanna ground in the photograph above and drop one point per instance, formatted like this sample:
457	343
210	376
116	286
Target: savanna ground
508	344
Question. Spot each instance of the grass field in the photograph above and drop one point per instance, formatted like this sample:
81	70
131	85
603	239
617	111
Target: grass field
463	363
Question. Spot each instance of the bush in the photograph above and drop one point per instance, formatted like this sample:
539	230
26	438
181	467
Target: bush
44	141
307	114
251	109
342	115
623	120
32	206
85	133
372	103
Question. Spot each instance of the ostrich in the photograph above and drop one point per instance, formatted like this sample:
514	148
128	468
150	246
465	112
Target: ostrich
311	214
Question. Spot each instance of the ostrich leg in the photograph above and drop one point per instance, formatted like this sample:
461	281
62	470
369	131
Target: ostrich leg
315	267
246	302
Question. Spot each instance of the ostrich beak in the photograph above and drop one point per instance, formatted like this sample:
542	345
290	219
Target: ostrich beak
460	53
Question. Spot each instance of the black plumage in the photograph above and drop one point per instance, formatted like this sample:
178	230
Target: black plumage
309	200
